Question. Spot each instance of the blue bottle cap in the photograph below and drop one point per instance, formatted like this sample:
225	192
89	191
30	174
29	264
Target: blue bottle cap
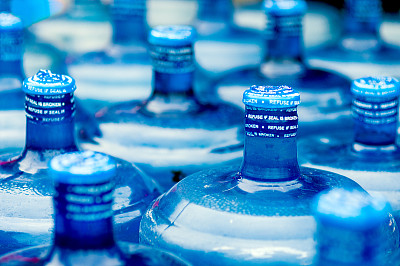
352	210
47	83
82	168
285	7
10	22
174	35
270	97
382	87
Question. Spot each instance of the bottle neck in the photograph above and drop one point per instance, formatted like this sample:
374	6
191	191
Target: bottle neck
363	17
334	250
375	123
50	122
129	21
270	152
215	10
283	37
173	69
11	52
83	216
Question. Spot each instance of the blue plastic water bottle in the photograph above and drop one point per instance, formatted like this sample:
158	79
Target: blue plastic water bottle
222	44
26	188
256	213
360	50
11	76
83	207
173	133
325	95
349	230
121	71
369	153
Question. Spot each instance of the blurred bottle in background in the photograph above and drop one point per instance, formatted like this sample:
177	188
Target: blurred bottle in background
369	152
325	95
175	132
122	70
361	50
222	44
82	26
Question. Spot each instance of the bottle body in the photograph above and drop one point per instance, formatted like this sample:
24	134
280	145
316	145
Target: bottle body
172	145
212	208
174	132
258	212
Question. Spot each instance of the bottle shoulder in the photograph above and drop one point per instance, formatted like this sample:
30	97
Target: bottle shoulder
221	193
215	208
27	209
123	253
334	149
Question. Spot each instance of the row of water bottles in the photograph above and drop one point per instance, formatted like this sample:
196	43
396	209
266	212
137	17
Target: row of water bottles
244	196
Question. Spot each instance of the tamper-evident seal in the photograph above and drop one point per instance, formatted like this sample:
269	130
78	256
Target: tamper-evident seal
271	97
379	86
47	83
285	7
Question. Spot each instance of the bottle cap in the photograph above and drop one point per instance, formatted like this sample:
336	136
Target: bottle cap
10	22
47	83
285	7
270	97
354	210
382	87
175	35
80	168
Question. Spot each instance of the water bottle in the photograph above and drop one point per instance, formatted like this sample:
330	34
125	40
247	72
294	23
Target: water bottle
83	27
37	54
222	44
255	213
26	188
360	50
122	70
369	153
349	230
173	133
83	214
325	95
11	76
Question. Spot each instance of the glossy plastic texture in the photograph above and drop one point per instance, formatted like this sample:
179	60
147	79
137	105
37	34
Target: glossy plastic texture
369	151
125	254
122	70
83	235
255	213
349	229
26	188
174	132
12	117
325	95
